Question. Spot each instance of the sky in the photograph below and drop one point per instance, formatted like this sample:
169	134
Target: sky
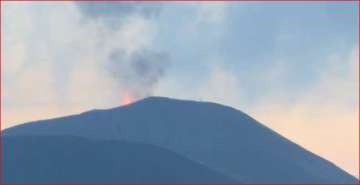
291	66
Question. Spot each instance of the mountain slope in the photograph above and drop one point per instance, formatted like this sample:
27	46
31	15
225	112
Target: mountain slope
64	159
219	137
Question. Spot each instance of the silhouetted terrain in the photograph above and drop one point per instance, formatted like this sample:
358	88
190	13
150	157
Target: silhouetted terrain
49	159
221	138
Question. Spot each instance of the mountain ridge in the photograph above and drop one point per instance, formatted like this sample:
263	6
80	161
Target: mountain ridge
204	132
72	159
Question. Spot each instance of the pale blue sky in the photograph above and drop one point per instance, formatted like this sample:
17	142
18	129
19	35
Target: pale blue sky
254	36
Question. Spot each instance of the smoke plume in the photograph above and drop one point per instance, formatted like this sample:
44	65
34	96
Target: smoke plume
135	67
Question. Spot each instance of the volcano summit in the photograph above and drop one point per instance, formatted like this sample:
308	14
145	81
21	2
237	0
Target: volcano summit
159	140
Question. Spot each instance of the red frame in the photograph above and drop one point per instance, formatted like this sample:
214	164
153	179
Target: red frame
176	1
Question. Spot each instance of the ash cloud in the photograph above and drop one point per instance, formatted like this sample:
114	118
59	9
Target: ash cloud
116	9
113	13
136	71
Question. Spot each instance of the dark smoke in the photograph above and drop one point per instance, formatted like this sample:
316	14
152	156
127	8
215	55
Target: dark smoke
114	12
101	9
138	72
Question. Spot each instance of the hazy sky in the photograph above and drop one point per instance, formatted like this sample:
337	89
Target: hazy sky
292	66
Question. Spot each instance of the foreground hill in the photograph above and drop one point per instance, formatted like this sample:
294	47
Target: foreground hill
64	159
219	137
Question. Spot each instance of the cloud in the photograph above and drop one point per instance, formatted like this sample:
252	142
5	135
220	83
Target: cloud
112	14
211	13
222	85
139	71
102	10
79	61
325	118
130	34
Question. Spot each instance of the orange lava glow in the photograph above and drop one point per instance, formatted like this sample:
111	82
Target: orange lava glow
127	99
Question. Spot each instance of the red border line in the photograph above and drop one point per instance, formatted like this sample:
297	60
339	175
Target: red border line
1	95
185	1
358	62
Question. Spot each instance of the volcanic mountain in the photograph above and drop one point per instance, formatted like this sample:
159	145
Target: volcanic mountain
218	143
69	159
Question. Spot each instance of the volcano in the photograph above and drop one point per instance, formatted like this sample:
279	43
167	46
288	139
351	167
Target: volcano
193	142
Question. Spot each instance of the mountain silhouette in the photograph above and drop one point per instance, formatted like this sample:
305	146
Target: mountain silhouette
221	138
68	159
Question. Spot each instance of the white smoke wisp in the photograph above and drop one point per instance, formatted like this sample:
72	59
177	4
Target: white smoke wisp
69	60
